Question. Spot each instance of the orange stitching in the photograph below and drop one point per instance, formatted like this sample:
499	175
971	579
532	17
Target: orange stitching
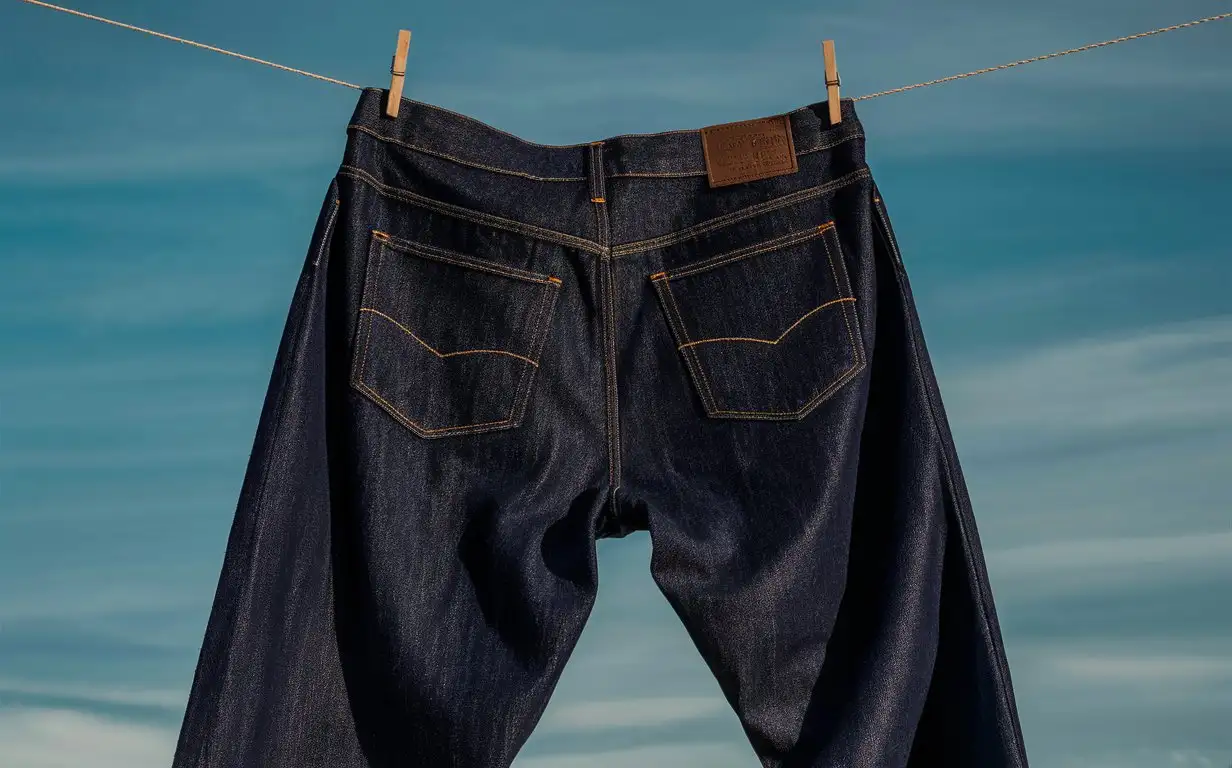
456	258
598	199
462	160
684	174
358	382
327	236
858	365
468	214
370	283
519	400
781	242
884	231
843	378
741	214
833	142
416	425
445	354
614	443
657	275
394	411
839	284
708	394
771	341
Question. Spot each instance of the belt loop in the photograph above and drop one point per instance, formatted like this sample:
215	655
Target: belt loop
597	182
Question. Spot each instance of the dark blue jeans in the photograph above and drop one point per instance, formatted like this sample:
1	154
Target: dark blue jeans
499	351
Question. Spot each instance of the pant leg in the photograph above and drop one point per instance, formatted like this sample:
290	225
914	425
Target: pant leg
265	639
828	567
389	598
970	716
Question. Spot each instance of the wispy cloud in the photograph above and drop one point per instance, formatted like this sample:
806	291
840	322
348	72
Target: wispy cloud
1143	669
1118	702
172	700
228	127
97	593
1087	558
1040	289
61	738
1173	377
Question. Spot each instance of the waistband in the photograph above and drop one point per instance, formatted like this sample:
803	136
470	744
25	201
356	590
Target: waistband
444	133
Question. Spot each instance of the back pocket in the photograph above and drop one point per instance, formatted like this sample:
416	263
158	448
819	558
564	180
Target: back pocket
768	331
447	343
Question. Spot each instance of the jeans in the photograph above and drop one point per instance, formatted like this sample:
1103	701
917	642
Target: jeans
499	351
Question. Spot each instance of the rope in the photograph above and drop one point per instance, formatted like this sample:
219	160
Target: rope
92	17
1046	56
858	98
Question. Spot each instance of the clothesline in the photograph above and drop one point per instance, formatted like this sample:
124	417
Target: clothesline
315	76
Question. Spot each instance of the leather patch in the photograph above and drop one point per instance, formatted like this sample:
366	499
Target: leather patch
748	150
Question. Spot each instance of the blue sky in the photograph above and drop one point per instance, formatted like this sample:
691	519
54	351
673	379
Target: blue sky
1064	225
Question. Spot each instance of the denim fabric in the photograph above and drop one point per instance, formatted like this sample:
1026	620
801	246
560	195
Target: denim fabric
499	351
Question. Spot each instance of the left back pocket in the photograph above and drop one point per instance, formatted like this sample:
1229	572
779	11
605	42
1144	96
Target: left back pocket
447	343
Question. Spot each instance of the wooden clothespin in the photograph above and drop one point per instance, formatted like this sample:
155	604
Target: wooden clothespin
827	52
398	70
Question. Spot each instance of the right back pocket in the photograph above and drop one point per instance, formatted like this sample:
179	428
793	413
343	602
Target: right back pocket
768	331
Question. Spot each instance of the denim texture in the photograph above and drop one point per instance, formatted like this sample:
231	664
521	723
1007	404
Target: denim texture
499	351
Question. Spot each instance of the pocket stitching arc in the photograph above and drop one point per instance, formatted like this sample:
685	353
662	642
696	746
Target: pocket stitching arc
538	339
456	352
686	346
781	336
